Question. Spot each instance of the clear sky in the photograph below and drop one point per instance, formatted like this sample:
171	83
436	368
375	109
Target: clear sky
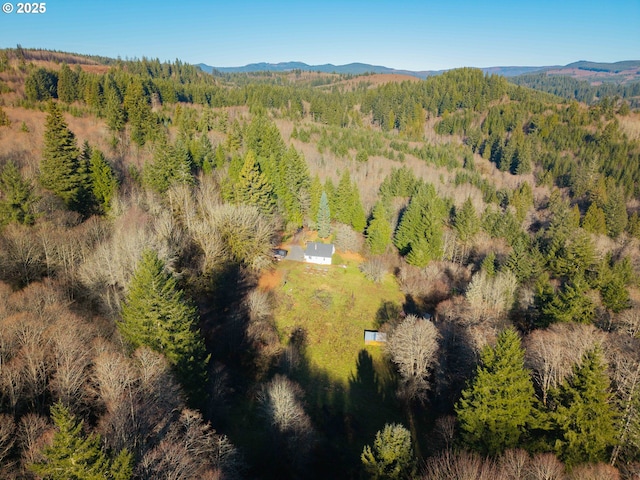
403	34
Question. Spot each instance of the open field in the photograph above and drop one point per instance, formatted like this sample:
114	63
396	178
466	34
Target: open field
333	305
350	388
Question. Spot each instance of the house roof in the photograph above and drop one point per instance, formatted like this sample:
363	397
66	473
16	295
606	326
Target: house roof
315	249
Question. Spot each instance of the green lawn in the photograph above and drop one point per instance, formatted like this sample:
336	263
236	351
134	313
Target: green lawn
334	305
350	388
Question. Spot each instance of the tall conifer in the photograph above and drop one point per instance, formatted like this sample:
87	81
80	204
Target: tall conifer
324	217
16	196
496	407
73	455
60	168
253	188
419	233
156	314
379	230
585	418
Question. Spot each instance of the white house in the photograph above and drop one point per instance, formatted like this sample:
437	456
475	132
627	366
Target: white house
319	253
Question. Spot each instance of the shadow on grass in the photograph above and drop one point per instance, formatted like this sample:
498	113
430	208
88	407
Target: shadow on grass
347	416
388	313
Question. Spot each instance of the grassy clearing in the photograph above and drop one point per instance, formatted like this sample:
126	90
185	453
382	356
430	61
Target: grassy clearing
333	305
350	388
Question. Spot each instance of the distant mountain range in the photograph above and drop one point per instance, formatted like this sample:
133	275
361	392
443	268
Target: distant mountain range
352	68
628	67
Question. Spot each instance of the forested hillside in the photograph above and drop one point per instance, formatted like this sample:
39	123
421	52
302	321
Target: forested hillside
491	231
582	89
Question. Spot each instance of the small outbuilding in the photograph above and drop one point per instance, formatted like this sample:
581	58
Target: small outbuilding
374	337
319	253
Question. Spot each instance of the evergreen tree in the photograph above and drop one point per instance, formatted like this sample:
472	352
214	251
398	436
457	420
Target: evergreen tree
594	220
234	137
343	206
202	153
379	230
525	260
122	466
104	183
419	233
489	264
4	119
92	92
330	189
263	137
570	304
67	84
615	212
315	193
156	314
358	217
495	410
253	188
323	221
612	282
114	111
348	207
294	186
467	223
391	456
138	111
16	196
74	456
60	168
41	84
570	253
522	200
585	418
171	165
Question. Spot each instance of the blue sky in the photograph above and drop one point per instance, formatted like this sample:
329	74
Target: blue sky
415	35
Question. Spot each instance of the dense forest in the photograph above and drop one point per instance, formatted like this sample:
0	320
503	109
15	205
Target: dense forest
580	90
490	230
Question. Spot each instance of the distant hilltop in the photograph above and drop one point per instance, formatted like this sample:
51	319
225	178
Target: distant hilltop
627	67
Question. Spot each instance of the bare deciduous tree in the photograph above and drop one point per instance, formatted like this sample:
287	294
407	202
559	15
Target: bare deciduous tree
239	233
170	461
7	438
281	406
512	464
629	321
413	346
258	305
545	466
374	269
445	429
491	296
21	256
71	340
12	382
191	449
623	356
261	330
599	471
41	299
114	377
106	272
30	434
346	238
553	352
463	465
